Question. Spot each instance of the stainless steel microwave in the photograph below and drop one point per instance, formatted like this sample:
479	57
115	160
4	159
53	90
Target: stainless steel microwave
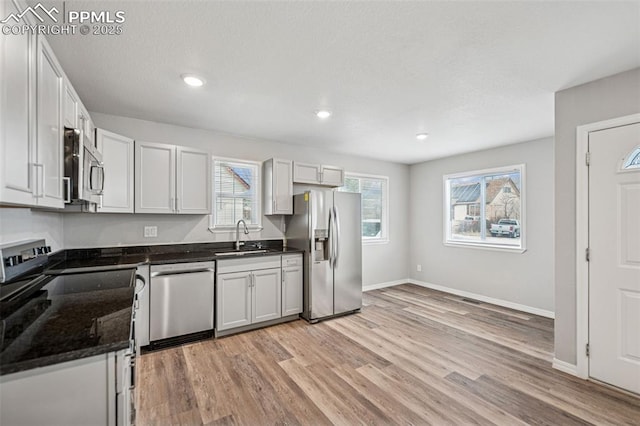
83	169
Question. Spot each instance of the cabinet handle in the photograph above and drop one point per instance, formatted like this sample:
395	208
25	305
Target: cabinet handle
274	205
67	183
177	210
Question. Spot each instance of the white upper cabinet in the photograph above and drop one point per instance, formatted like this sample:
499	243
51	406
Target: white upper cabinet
48	167
306	173
17	113
193	181
69	106
85	124
171	179
278	186
117	156
331	176
317	174
155	178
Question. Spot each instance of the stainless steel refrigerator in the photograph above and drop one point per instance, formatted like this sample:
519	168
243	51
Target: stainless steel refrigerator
327	226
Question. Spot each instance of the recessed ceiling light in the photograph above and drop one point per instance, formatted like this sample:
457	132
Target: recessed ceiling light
323	113
422	136
192	80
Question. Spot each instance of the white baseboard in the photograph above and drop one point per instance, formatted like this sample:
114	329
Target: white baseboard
565	367
384	285
499	302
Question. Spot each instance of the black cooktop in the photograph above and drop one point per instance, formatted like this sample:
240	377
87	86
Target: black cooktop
59	318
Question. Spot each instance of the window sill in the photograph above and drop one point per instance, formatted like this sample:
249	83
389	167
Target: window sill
492	247
376	241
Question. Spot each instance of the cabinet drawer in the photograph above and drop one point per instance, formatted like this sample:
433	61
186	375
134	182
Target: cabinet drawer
248	264
291	260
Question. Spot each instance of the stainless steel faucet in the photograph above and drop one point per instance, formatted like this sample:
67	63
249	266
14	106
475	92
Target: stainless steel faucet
246	232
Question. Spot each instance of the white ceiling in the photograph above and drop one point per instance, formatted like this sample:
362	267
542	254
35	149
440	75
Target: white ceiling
472	74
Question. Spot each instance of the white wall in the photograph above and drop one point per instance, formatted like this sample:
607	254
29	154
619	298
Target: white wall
381	263
18	224
603	99
524	279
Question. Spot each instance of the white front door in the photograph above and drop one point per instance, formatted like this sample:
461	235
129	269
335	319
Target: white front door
614	263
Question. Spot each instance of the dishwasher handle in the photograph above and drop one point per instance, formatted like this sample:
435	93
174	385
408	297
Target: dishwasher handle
180	272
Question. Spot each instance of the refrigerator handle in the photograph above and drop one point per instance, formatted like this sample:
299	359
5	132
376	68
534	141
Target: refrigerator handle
330	237
336	224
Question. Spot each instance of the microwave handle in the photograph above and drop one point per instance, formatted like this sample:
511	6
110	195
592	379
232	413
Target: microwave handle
91	185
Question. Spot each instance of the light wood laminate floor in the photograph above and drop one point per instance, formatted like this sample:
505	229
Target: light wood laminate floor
413	356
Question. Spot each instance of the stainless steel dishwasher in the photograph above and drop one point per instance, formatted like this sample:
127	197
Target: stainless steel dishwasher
181	299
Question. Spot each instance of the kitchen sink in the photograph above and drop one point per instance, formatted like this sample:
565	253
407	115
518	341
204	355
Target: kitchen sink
240	252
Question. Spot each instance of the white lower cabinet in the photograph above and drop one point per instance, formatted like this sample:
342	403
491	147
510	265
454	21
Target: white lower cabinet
291	284
266	295
248	291
88	391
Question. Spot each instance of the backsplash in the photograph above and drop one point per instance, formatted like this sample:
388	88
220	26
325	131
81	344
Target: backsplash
17	224
104	230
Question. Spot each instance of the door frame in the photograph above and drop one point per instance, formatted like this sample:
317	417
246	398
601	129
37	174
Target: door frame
582	235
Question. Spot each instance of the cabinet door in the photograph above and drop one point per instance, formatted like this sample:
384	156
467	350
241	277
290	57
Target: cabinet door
193	181
291	286
282	187
332	176
278	186
155	171
306	173
267	299
73	393
49	168
69	106
233	300
117	155
17	117
86	125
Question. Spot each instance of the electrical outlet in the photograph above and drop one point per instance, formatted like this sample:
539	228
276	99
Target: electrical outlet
419	268
150	231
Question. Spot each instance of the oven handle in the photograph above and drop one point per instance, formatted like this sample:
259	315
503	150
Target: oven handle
187	271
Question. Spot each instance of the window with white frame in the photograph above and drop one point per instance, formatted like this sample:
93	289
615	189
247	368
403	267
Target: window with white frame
236	193
485	208
374	196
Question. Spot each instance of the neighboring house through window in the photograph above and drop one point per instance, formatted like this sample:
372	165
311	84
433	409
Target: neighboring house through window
236	193
374	193
485	208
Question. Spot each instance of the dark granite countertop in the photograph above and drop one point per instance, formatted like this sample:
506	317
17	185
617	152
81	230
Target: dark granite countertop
129	257
79	303
66	317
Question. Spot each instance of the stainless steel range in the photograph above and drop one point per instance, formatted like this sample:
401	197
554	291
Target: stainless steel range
48	319
21	257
